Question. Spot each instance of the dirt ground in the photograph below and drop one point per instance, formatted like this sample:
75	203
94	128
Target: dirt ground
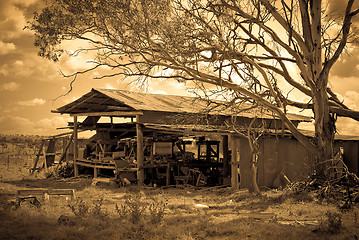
106	211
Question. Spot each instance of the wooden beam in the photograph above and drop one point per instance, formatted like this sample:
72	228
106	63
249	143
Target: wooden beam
140	153
76	170
80	102
119	108
114	114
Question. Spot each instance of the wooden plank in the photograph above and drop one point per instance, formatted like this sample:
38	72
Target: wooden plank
140	153
114	114
37	156
168	176
76	170
235	157
32	191
98	166
64	153
225	155
50	152
120	108
61	192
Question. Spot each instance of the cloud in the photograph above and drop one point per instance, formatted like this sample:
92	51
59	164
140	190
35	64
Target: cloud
347	126
347	65
11	86
14	15
6	48
18	125
109	86
50	124
351	99
12	125
33	102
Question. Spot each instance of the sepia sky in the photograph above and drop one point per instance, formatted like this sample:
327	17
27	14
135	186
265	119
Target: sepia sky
29	84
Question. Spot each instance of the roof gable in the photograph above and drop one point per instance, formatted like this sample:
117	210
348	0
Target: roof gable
107	100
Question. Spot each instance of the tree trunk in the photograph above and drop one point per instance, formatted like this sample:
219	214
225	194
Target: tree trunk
324	129
324	123
253	169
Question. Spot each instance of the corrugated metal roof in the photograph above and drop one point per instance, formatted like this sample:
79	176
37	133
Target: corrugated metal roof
337	136
96	101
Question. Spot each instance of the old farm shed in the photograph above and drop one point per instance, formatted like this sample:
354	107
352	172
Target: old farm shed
166	139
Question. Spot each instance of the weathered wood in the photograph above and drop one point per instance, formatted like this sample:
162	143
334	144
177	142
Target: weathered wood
168	174
119	108
225	155
114	113
37	156
76	170
95	172
50	152
32	191
66	148
140	153
235	159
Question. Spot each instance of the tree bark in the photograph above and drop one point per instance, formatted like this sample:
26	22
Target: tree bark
324	133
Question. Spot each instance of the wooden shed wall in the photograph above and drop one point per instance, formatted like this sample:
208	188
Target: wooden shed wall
351	154
276	154
188	119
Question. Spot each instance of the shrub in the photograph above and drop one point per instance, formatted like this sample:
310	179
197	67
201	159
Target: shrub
157	211
136	209
80	209
132	209
332	223
97	210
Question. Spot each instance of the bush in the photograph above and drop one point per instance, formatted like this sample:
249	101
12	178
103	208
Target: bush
83	210
133	208
157	211
332	223
136	209
80	209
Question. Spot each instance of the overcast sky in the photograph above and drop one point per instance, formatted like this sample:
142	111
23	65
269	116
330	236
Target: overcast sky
28	83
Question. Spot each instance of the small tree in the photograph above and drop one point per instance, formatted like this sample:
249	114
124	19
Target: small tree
247	47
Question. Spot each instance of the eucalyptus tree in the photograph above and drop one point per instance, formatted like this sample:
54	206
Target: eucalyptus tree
253	49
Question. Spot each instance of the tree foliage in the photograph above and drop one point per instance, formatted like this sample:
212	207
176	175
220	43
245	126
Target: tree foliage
253	49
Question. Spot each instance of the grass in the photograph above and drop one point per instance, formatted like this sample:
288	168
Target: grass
106	212
172	214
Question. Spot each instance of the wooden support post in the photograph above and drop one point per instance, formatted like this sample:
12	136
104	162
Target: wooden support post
95	172
64	144
168	175
235	161
140	153
76	170
44	154
225	155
